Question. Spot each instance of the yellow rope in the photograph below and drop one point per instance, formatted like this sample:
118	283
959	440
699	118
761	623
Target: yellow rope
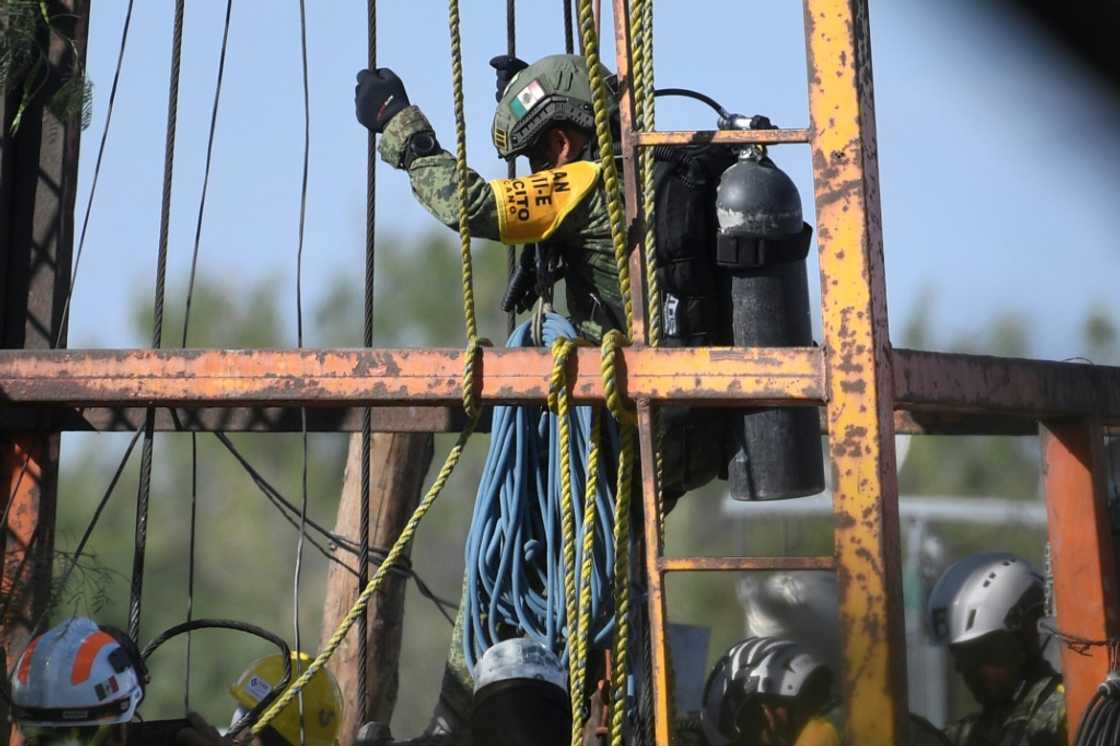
590	509
641	44
611	182
471	403
612	341
620	665
559	400
461	171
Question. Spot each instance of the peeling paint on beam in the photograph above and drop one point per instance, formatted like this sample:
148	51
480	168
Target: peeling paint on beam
981	384
336	377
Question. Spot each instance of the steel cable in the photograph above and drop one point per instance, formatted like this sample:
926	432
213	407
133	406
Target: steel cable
144	489
569	35
471	403
290	514
367	340
192	536
511	164
299	342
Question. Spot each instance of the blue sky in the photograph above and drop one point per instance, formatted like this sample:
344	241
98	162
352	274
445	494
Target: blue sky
998	159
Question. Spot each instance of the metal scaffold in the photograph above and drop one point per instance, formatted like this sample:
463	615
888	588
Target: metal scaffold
867	391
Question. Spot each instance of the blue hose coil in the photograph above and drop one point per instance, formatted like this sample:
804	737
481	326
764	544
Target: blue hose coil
514	551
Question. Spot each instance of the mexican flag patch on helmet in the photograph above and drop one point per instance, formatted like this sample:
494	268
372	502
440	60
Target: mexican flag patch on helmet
527	99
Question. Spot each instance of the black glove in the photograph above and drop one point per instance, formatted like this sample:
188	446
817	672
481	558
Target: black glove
378	97
506	66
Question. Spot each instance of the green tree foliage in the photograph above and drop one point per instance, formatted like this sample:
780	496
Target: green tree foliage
27	28
245	549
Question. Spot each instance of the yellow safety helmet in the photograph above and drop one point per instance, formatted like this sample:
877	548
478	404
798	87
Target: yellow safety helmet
322	700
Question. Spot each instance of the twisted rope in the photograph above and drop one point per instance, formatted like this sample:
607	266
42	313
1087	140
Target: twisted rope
576	683
620	666
392	559
558	401
611	182
461	172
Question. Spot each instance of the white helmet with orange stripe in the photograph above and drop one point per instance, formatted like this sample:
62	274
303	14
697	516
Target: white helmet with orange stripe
78	673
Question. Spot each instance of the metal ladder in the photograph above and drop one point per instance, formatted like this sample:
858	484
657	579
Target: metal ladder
858	394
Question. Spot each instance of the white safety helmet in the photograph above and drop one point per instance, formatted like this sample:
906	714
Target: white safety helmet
77	674
982	594
757	666
519	658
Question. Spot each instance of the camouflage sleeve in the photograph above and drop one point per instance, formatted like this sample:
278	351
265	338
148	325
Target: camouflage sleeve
1047	725
434	179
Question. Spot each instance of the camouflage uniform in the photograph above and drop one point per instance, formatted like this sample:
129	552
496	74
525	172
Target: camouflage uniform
1035	717
582	241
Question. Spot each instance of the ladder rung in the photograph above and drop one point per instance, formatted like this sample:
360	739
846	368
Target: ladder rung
743	564
729	137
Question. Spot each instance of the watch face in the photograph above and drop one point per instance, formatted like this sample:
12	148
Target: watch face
423	143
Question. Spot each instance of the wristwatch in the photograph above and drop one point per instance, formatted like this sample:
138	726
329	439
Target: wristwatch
419	145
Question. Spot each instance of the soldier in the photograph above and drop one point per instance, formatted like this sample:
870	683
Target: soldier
767	691
544	113
986	608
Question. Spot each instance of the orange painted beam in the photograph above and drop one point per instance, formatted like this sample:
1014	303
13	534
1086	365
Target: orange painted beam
860	385
1086	597
413	377
28	470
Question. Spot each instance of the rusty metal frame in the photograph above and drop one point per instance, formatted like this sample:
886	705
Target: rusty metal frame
868	391
1081	552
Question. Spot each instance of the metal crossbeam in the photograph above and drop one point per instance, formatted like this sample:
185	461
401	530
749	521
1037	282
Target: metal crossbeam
993	385
325	378
937	393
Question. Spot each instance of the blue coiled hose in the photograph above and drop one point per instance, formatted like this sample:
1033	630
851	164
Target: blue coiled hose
514	553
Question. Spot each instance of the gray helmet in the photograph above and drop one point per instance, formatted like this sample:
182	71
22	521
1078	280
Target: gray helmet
756	666
982	594
554	90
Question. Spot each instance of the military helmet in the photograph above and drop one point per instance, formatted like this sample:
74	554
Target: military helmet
982	594
554	90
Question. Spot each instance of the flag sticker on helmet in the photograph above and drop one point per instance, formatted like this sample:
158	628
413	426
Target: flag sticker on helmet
527	99
258	688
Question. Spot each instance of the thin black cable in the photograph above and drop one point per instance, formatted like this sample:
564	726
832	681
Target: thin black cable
299	338
367	340
569	36
96	172
689	93
192	538
511	165
288	510
144	489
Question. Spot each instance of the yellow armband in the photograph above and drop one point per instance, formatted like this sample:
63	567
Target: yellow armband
532	207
